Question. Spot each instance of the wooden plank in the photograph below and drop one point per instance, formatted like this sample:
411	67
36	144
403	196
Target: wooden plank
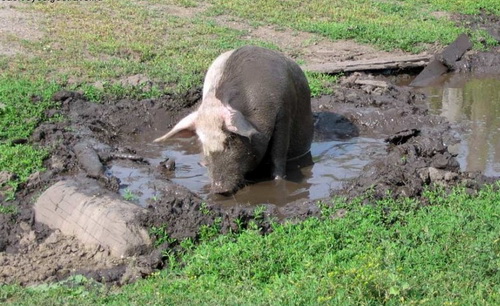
455	50
400	62
442	62
430	74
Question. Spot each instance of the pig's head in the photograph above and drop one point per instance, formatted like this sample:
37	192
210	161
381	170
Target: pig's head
229	141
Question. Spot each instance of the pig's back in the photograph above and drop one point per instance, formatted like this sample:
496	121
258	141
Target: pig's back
264	85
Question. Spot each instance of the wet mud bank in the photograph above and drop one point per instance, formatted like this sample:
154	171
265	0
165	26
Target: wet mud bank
372	138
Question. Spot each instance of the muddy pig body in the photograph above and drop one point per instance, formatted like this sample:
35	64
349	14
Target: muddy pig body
256	109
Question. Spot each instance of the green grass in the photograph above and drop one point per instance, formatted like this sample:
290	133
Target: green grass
465	6
320	83
110	40
89	42
130	195
389	252
23	103
391	24
8	209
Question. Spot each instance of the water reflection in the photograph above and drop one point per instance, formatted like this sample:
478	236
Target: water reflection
335	163
474	101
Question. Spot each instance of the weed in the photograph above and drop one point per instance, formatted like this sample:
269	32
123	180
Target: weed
130	195
258	212
8	209
404	159
208	232
160	235
154	198
187	244
204	209
239	224
326	209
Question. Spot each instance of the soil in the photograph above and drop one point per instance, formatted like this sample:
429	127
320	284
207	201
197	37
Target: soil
16	25
417	156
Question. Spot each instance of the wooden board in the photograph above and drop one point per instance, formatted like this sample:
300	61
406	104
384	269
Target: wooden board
401	62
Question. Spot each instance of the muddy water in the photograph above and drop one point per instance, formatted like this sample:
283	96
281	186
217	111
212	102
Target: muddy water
472	103
335	162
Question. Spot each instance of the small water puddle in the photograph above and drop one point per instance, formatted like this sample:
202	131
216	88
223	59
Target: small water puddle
472	103
335	162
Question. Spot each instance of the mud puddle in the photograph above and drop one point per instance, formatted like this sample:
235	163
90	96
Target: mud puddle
335	163
471	103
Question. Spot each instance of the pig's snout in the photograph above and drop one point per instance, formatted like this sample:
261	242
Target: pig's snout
224	189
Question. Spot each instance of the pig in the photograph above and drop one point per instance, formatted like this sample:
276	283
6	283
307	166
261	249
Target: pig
255	113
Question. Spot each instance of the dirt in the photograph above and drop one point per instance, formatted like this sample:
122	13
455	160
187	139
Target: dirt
17	25
308	47
417	156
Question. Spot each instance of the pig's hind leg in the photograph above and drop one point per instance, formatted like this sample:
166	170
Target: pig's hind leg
279	146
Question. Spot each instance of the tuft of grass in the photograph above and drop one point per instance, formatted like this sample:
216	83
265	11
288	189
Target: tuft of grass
129	195
160	235
388	252
320	83
8	209
23	102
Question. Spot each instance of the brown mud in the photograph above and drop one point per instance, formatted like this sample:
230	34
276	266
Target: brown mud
412	153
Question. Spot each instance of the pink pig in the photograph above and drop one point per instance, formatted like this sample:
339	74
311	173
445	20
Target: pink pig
255	112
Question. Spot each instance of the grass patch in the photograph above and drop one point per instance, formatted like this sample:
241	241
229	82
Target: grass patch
465	6
392	24
390	252
109	41
23	102
321	84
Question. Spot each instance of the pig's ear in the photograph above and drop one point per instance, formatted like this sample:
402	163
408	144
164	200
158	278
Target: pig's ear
185	128
235	122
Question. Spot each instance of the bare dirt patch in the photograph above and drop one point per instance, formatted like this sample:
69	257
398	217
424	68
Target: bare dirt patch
55	256
308	47
178	11
16	25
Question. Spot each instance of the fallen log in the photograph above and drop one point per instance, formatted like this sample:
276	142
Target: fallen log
400	62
